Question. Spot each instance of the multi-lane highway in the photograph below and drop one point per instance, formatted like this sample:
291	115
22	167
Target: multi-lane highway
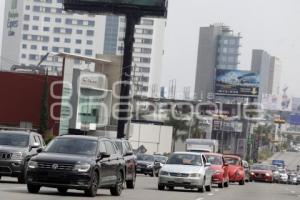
292	159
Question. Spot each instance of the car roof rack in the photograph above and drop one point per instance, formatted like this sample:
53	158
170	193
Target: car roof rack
17	129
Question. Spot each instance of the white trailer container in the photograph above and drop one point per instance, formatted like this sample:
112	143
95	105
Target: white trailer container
202	145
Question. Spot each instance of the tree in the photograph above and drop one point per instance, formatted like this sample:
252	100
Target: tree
44	112
196	131
263	132
178	123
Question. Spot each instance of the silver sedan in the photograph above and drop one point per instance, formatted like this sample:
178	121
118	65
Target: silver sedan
186	169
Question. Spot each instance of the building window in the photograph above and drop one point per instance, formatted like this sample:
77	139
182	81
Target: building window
147	22
25	27
147	31
145	60
46	29
23	55
56	30
67	50
79	32
89	42
90	33
146	50
58	20
59	1
36	8
78	41
47	19
77	51
56	39
34	47
59	10
69	21
24	46
55	49
35	28
44	48
26	17
80	22
36	18
232	41
33	57
67	40
88	52
27	7
225	41
68	31
91	23
47	10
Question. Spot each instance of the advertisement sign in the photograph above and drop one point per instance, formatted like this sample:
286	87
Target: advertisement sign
236	83
277	102
13	18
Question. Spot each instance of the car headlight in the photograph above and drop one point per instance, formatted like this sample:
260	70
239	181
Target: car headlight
164	173
17	156
32	165
252	173
82	167
237	173
267	174
150	166
217	172
195	175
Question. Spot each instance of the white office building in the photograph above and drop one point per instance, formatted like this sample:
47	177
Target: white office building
148	51
34	27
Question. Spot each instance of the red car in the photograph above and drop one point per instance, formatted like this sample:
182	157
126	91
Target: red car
220	168
235	169
261	172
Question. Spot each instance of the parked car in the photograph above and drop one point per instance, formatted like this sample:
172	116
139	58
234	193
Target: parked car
298	178
187	170
16	148
77	162
283	176
262	172
235	169
130	159
146	164
276	174
247	171
220	169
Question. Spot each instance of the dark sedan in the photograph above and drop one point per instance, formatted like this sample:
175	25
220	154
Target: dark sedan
146	164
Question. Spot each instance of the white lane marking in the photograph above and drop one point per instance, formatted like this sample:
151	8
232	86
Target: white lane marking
200	198
293	192
210	194
216	190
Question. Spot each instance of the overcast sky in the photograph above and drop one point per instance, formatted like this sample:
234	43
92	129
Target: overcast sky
272	25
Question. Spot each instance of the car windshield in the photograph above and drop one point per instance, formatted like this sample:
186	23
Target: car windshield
261	167
73	146
185	159
143	157
282	171
119	145
14	139
232	161
214	159
161	159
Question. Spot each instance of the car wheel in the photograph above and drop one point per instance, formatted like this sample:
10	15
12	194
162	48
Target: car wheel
92	191
208	188
221	185
201	189
161	187
117	189
33	188
131	183
171	188
152	173
226	184
62	190
22	177
242	182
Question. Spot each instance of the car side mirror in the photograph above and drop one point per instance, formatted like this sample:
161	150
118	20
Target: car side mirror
34	146
207	164
102	155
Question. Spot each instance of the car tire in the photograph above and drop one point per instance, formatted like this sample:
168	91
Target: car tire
208	188
22	177
226	184
221	185
117	189
131	183
34	189
171	188
201	189
242	182
92	191
161	187
62	190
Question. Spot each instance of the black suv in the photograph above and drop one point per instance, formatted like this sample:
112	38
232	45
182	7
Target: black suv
126	150
16	148
77	162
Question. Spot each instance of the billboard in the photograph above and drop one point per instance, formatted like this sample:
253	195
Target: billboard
277	102
236	83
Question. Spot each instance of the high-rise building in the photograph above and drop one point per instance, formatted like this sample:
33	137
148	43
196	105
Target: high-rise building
269	69
147	55
34	27
218	48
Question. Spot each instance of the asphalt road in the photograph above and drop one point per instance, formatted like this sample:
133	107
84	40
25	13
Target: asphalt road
146	189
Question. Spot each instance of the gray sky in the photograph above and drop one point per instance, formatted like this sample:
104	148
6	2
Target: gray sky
272	25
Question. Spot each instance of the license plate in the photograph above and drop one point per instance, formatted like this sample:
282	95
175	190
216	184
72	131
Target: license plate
138	169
